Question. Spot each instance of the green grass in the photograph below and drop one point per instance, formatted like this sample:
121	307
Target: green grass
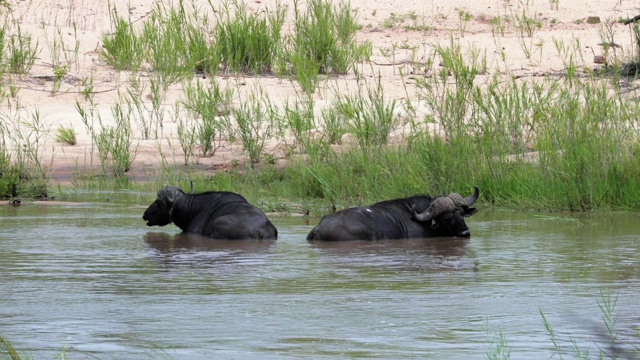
543	143
210	107
114	144
66	135
121	49
7	350
255	123
248	42
177	42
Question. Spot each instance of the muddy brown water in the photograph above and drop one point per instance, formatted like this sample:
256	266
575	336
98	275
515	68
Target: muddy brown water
94	279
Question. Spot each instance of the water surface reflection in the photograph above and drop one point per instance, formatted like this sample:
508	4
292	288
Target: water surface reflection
93	277
410	254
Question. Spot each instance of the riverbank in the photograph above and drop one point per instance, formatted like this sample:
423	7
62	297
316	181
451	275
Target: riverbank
526	101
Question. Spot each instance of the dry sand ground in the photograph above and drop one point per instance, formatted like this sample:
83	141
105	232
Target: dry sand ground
43	19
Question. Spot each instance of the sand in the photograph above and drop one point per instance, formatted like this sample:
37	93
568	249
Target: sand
399	42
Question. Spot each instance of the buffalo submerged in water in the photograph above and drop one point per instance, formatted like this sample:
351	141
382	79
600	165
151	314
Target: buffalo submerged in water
219	215
413	217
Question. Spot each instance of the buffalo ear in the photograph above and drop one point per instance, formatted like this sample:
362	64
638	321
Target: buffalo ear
470	211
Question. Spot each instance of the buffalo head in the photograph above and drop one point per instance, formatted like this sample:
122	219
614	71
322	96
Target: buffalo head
446	214
159	213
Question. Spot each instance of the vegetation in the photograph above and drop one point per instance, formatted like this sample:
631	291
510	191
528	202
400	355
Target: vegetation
604	338
66	135
555	143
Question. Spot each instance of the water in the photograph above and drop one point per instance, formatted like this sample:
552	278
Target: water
94	279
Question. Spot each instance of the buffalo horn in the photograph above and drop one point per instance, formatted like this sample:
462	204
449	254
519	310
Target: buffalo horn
437	207
472	199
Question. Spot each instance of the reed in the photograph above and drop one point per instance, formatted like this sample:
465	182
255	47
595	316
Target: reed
114	144
370	117
210	107
323	42
121	49
299	119
23	165
464	17
255	121
247	43
176	41
7	350
21	51
500	348
66	135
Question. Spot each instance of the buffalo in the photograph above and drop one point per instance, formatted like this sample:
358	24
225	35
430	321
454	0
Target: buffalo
413	217
218	215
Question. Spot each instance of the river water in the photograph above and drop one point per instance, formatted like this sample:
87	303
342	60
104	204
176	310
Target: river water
91	279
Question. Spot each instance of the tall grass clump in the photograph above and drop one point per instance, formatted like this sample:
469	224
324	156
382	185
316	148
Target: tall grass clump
323	42
299	120
210	107
116	150
448	97
333	126
256	120
299	123
173	41
115	143
19	51
150	114
62	58
449	93
187	138
526	26
176	43
569	144
247	42
23	167
121	49
370	118
164	41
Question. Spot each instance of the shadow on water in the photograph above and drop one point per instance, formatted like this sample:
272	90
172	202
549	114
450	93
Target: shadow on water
169	244
188	248
431	246
439	254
